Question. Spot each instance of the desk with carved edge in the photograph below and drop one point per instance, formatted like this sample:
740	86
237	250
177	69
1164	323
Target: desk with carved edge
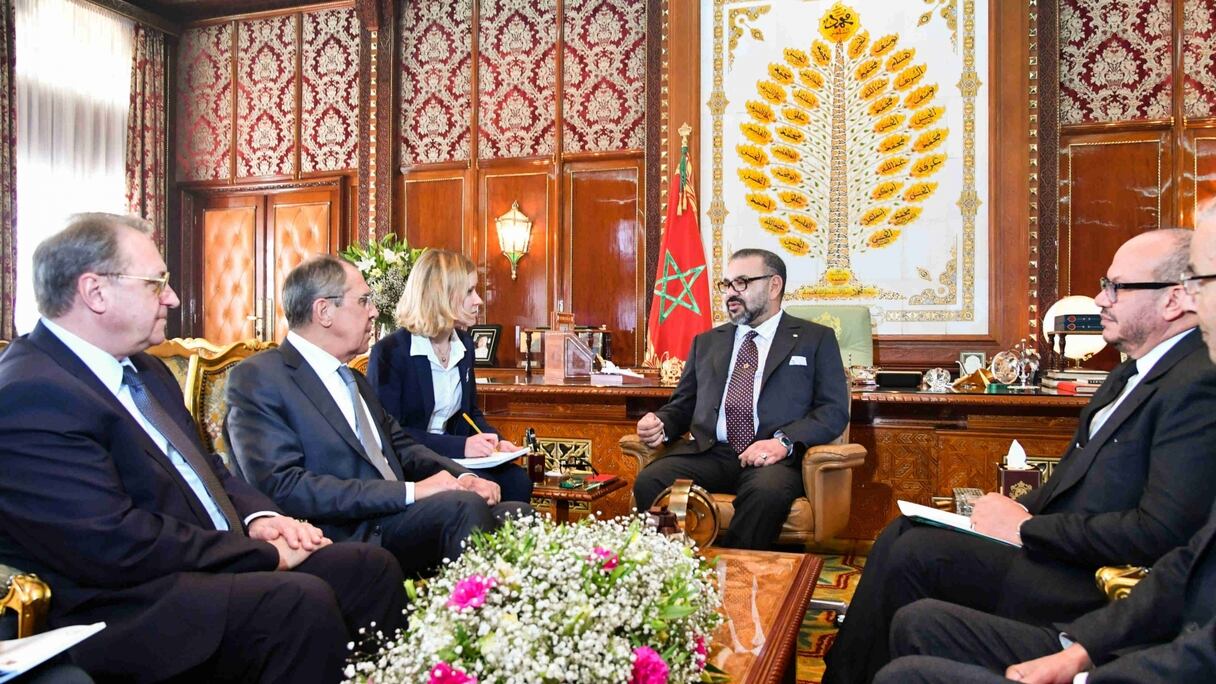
919	444
562	498
764	598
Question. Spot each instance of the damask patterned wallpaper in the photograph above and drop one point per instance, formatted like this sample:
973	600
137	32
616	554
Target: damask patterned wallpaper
204	77
267	114
1114	60
516	84
329	100
265	103
1199	55
436	69
605	75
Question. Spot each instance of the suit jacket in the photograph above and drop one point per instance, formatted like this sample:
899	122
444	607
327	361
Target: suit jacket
294	444
92	505
1165	630
803	392
405	388
1139	488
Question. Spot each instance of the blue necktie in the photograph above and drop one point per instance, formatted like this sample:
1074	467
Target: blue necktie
185	446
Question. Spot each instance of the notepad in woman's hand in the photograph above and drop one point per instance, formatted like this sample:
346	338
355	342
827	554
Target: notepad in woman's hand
496	458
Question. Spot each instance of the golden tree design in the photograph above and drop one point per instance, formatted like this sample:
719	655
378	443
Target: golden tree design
841	148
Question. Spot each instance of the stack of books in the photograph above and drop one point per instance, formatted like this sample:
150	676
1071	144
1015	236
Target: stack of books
1077	323
1076	381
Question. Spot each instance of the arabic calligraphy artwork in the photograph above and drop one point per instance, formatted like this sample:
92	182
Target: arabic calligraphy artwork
851	139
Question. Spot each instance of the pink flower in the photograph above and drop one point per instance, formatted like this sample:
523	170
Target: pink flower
648	667
470	592
608	560
443	673
701	651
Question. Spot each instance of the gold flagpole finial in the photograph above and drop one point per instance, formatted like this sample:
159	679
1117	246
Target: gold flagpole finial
685	131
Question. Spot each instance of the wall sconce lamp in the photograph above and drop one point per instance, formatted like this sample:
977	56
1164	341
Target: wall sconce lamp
514	236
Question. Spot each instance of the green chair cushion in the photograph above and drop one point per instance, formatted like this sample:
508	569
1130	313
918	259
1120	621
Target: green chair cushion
852	326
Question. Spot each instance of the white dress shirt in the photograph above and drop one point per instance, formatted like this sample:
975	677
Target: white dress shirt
109	371
764	339
1144	364
445	379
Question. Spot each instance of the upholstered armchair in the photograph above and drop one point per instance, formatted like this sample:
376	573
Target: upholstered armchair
854	332
360	362
208	398
177	353
27	596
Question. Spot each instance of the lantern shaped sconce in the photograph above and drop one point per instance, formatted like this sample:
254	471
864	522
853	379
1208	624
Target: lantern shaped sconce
514	236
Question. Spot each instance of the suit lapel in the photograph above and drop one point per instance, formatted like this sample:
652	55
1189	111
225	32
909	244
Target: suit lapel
420	367
780	348
722	345
312	388
55	348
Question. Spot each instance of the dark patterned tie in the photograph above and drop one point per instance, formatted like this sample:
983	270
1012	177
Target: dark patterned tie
184	445
363	426
740	395
1110	391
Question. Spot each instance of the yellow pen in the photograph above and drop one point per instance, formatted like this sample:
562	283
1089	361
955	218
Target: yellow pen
469	420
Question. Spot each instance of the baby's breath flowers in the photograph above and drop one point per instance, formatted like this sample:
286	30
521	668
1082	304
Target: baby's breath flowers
536	602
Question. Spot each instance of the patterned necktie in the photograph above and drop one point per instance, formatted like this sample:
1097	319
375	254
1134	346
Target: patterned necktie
363	426
184	445
740	395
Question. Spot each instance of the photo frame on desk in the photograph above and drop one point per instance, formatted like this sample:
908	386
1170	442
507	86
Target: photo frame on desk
485	344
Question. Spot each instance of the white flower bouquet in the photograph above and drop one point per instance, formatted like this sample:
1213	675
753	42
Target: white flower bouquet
536	602
385	265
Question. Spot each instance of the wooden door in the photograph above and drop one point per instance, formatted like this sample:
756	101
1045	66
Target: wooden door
300	224
229	271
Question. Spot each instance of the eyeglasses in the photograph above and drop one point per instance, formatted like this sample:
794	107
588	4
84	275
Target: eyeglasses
739	284
159	282
365	301
1191	282
1111	288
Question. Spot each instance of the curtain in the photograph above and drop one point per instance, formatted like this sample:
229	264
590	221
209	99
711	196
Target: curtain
146	134
8	176
73	75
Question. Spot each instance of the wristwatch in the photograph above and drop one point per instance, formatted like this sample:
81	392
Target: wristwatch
785	442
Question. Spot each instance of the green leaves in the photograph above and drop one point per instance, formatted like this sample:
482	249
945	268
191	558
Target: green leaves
385	264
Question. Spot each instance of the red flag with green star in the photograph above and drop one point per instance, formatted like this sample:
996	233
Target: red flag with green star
680	308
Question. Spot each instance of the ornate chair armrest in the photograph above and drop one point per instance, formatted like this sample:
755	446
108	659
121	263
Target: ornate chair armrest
29	596
1116	581
633	447
827	478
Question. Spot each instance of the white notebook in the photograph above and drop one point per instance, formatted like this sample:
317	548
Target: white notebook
496	458
940	518
21	655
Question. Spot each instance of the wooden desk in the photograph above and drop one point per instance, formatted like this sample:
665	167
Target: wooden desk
562	498
776	587
919	444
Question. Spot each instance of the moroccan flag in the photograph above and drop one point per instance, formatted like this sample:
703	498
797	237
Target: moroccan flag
681	303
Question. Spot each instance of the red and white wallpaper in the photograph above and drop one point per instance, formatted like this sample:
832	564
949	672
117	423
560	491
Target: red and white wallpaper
265	103
605	75
329	99
1199	55
204	77
436	74
1114	60
516	80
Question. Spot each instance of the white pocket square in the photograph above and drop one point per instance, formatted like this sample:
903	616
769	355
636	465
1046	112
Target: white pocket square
797	360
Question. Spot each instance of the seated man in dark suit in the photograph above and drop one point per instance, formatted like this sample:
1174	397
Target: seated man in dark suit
1136	483
1165	631
107	495
755	393
309	432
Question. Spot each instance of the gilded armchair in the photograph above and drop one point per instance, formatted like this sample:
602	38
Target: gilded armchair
26	595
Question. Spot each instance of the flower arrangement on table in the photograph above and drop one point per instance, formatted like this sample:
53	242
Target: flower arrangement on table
537	602
385	265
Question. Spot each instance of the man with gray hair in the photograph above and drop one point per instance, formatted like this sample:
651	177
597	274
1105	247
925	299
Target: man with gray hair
309	432
108	495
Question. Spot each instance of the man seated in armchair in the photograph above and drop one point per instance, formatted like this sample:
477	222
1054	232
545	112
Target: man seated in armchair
755	394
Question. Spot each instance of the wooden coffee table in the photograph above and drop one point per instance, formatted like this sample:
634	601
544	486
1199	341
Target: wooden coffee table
563	497
764	600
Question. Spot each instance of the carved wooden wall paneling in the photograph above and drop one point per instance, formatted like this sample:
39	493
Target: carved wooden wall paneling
604	251
527	300
433	206
1201	170
1112	186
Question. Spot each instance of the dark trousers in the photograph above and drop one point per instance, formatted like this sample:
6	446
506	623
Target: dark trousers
935	641
911	562
511	479
294	626
762	495
434	528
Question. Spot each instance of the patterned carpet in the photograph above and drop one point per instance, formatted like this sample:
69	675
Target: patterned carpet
837	581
